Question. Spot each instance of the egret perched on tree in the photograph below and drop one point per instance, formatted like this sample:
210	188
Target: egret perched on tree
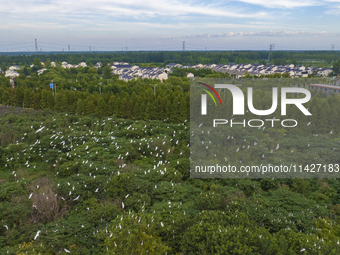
36	236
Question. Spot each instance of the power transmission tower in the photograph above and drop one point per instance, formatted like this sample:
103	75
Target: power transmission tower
69	49
90	48
36	46
271	48
183	45
126	48
333	46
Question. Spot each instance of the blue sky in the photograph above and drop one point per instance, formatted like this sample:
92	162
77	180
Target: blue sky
163	25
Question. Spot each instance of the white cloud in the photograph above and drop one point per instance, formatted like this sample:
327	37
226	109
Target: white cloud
81	21
284	3
258	34
115	8
335	10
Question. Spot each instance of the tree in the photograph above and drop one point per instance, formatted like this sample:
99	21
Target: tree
168	108
277	75
133	234
111	105
50	100
90	107
147	112
117	108
19	96
247	75
174	116
138	111
37	64
183	109
107	72
64	105
91	71
79	110
225	233
336	68
101	109
36	100
43	100
27	98
48	63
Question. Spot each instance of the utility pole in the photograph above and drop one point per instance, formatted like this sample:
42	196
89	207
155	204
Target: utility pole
53	86
271	48
36	46
183	45
154	89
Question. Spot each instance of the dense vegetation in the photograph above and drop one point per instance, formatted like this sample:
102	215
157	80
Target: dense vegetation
78	92
111	185
84	91
90	173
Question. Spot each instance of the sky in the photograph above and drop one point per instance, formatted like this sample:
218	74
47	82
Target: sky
111	25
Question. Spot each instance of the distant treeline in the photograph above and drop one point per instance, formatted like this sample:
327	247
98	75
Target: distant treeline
182	57
154	100
136	100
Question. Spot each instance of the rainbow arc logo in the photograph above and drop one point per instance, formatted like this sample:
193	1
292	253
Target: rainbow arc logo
209	93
